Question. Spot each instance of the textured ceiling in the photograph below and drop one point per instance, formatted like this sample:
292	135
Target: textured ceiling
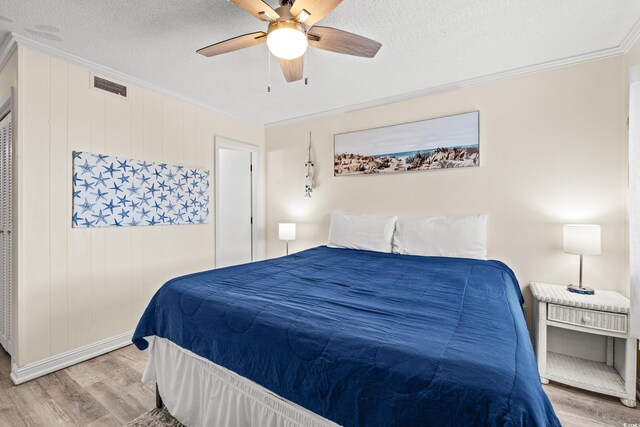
426	43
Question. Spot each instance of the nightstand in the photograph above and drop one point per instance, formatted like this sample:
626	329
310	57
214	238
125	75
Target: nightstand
603	317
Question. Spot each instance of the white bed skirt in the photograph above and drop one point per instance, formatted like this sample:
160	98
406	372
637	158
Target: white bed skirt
197	392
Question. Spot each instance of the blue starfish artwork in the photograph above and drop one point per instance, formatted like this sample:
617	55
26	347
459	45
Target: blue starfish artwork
110	206
133	189
100	195
100	180
144	199
110	169
145	166
87	185
87	168
86	206
110	191
115	188
100	217
76	219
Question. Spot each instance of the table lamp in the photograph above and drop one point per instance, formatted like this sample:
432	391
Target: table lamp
287	232
581	239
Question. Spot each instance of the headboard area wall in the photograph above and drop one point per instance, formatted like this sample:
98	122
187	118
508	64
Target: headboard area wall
552	151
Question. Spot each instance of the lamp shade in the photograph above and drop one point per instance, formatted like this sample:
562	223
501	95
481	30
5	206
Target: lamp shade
287	231
582	239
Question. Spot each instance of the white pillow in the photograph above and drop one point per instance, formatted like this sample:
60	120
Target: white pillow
367	232
459	237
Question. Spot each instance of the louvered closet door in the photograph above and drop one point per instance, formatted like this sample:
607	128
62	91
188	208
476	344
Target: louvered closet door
6	274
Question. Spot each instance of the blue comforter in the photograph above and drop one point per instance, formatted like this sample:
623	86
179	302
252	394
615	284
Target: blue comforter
365	338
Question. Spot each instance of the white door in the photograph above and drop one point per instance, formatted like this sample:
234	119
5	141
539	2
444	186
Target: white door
234	229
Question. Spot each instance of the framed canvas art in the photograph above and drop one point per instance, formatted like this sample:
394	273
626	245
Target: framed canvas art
111	191
439	143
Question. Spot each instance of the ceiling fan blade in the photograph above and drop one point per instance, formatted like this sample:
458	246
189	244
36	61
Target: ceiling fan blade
257	8
236	43
293	69
315	10
339	41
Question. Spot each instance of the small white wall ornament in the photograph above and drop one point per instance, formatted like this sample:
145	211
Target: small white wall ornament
308	181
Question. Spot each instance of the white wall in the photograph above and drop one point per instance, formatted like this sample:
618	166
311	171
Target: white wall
79	286
553	151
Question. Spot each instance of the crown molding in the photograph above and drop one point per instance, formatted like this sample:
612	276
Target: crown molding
631	38
489	78
15	40
6	50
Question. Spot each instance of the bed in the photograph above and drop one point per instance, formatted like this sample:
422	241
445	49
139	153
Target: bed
350	337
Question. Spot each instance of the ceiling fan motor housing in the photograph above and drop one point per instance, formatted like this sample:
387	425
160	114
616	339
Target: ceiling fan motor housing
285	14
286	24
286	19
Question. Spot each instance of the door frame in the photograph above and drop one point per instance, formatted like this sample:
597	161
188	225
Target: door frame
225	143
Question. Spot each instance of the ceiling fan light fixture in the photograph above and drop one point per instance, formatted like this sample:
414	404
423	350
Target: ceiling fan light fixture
287	40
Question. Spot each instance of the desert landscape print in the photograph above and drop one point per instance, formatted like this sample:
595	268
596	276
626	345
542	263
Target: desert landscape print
440	143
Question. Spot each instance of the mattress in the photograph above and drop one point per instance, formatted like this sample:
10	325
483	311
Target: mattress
364	338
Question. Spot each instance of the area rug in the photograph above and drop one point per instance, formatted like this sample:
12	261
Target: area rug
155	418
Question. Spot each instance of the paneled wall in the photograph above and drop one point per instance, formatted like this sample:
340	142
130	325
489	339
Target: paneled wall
80	286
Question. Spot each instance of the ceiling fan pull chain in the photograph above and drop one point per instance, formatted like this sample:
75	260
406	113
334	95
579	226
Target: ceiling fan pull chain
269	66
306	78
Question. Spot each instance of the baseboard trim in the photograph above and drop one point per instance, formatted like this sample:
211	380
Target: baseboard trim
22	374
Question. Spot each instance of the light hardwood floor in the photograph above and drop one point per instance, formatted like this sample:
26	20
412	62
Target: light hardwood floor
106	391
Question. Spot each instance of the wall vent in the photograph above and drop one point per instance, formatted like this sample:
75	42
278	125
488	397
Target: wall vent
109	86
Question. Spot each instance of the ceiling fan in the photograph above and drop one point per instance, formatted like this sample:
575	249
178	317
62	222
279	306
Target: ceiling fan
291	29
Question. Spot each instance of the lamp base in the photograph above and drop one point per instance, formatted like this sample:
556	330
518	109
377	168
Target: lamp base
580	290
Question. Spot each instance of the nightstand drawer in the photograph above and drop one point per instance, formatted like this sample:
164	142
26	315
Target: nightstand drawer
605	321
